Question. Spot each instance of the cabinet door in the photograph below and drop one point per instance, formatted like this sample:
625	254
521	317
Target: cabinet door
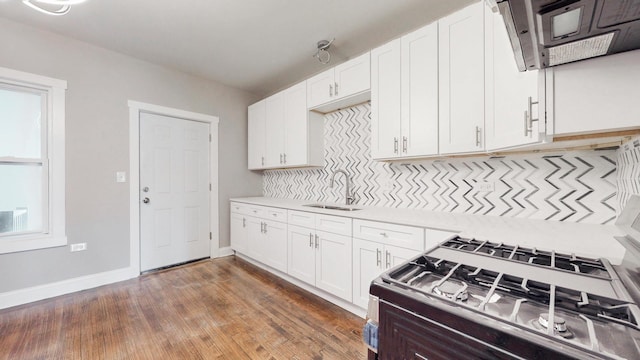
255	240
394	255
461	79
295	125
352	77
333	264
276	245
274	130
597	95
385	100
367	265
301	254
255	132
320	89
419	106
508	92
238	233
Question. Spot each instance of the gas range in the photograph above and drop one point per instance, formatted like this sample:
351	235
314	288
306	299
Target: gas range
533	303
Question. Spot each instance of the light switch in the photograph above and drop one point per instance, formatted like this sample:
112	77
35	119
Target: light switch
121	176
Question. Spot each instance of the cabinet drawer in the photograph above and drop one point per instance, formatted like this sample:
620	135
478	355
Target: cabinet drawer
275	214
397	235
333	224
255	210
240	208
302	218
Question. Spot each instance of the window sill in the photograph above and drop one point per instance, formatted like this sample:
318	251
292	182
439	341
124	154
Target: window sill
31	242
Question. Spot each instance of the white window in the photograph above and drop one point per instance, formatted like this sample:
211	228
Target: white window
32	115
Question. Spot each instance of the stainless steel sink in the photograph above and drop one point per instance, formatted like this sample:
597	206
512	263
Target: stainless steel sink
331	207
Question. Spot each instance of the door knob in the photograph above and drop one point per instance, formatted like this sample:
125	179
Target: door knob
146	200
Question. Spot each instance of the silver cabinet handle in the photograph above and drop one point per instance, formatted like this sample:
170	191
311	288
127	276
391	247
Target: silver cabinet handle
284	156
265	228
529	117
311	240
395	145
526	123
478	132
336	84
317	241
330	90
263	161
384	234
378	257
146	200
261	227
244	222
404	144
280	158
387	259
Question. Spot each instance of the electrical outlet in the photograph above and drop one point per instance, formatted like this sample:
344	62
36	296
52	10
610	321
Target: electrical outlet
78	247
484	186
121	176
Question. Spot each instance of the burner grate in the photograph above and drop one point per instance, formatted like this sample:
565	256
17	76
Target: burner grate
549	259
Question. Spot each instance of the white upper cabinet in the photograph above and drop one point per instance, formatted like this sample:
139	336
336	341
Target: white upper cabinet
419	103
597	95
404	96
256	135
512	96
352	77
320	88
461	79
274	130
385	100
283	133
344	85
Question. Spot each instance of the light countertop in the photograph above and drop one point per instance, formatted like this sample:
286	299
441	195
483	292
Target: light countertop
589	240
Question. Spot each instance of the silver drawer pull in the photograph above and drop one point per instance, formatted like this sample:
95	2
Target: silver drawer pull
384	234
387	259
310	240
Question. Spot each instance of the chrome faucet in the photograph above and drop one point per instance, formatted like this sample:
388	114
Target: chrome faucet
347	193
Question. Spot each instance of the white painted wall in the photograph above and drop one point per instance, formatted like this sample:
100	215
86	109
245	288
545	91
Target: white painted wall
100	82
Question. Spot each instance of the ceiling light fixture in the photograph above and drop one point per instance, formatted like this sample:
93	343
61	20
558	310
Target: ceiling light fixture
323	51
60	7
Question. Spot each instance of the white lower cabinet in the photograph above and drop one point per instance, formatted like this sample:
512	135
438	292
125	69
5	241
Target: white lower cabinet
319	251
376	249
260	233
238	230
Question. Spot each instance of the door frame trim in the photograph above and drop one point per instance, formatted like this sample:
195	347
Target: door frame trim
135	108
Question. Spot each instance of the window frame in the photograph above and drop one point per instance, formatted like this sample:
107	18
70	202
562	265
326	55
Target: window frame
53	163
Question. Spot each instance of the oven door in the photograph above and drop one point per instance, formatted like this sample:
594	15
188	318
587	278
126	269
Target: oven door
404	335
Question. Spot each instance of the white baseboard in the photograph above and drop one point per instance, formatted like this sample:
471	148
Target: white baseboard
225	251
40	292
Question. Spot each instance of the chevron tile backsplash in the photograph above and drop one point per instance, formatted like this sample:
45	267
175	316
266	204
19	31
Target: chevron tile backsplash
577	186
628	171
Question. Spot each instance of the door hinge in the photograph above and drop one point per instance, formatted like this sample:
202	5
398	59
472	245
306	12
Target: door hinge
210	236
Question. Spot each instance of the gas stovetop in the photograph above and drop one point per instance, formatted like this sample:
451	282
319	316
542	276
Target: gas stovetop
573	300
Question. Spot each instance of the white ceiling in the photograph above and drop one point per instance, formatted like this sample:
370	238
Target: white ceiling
259	46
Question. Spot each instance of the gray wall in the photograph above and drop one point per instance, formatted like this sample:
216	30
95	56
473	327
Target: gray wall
100	82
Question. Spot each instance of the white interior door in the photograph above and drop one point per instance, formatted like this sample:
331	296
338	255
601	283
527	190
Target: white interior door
174	191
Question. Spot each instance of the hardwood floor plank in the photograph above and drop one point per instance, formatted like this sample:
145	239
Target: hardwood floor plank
215	309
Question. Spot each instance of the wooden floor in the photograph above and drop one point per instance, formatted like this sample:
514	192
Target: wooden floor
215	309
